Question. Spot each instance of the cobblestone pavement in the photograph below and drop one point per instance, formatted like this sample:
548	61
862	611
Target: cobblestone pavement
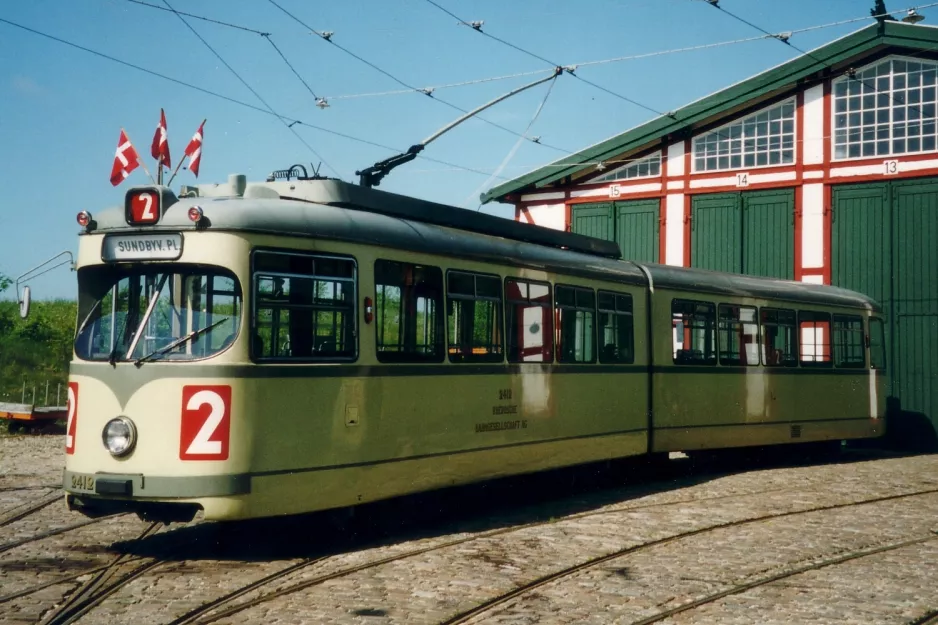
736	528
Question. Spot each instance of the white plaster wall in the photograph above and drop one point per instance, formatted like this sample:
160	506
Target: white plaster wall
812	226
547	215
814	125
674	234
676	159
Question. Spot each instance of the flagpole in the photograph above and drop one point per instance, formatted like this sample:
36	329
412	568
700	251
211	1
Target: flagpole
140	160
182	160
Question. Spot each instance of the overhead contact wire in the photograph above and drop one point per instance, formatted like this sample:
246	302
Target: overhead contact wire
251	89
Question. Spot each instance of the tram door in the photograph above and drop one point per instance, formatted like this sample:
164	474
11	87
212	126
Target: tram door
885	244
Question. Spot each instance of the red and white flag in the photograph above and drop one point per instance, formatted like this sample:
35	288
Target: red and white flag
126	159
194	150
160	147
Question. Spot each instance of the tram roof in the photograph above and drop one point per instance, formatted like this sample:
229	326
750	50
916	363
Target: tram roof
332	210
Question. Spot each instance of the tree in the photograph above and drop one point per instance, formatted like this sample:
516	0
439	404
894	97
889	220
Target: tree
5	282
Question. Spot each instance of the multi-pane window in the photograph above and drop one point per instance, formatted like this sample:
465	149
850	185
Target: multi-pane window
304	307
877	344
616	340
647	167
694	332
815	338
474	317
739	335
576	314
779	337
764	138
849	342
888	108
529	328
408	312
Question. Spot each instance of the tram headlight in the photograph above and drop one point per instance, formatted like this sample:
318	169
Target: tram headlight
119	436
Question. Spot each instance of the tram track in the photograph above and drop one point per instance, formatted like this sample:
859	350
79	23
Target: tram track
223	607
765	580
523	589
28	508
103	584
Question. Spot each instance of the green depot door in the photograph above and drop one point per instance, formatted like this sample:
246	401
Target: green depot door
884	238
593	220
632	224
637	229
751	233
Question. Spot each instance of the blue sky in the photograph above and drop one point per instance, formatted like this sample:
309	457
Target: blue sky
61	109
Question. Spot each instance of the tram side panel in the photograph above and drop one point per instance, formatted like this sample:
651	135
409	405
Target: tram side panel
339	434
708	394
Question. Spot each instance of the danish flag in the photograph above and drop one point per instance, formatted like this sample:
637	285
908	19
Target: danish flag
126	159
194	150
160	147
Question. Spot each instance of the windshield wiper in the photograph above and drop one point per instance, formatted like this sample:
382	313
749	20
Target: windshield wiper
177	342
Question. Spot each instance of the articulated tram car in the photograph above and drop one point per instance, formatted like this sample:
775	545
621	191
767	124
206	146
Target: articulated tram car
274	348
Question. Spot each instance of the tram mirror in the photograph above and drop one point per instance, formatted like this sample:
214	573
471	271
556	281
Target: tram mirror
679	333
24	303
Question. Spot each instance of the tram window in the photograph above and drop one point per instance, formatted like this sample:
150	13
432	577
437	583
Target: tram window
849	342
576	327
815	336
528	321
779	338
474	317
304	307
617	342
739	335
694	336
133	312
408	312
877	344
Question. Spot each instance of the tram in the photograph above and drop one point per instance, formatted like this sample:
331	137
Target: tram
279	347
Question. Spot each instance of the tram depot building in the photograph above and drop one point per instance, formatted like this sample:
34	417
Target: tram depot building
822	170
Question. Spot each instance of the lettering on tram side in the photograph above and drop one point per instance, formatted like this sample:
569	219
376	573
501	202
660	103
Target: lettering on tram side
148	245
501	410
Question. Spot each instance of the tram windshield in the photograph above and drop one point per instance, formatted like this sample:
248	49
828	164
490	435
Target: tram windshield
147	313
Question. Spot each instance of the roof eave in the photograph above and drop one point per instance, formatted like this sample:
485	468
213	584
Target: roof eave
774	80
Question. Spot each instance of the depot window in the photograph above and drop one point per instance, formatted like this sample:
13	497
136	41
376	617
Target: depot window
576	327
693	325
408	312
762	139
779	337
304	307
474	317
529	328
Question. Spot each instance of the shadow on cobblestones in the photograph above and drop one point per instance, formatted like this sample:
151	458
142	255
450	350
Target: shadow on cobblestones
39	565
475	508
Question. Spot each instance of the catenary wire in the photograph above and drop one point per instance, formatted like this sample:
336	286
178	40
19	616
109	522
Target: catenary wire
514	148
199	17
290	65
569	69
251	89
328	37
215	94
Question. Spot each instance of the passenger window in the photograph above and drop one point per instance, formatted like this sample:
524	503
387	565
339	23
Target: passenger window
694	336
849	348
877	344
304	307
529	328
815	332
779	343
617	343
576	325
474	311
739	335
408	312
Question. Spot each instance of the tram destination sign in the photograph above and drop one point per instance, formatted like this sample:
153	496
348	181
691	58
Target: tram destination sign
163	246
